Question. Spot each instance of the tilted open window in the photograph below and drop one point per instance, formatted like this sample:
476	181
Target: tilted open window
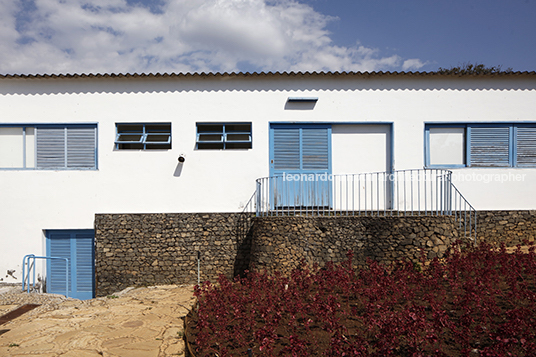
143	136
223	136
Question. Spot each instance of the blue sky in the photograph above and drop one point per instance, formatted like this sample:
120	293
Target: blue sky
157	36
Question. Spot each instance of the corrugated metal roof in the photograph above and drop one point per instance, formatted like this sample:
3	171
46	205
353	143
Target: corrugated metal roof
261	74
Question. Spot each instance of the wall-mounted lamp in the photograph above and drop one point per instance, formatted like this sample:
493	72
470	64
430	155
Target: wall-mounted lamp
182	158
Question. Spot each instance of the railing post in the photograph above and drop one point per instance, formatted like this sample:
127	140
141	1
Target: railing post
257	197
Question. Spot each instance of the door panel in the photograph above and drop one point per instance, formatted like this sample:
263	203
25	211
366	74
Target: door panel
300	162
78	247
359	149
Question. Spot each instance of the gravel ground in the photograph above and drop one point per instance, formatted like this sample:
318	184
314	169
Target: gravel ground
12	297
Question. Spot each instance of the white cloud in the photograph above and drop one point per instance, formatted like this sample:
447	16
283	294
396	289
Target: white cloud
412	64
97	36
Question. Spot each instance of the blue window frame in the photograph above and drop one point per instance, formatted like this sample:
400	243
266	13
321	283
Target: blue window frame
480	145
143	136
223	136
48	146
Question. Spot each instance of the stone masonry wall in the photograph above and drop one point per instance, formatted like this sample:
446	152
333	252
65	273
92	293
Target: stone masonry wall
158	249
282	243
510	227
155	249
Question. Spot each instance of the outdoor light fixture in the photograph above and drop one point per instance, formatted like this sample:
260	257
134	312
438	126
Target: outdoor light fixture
182	158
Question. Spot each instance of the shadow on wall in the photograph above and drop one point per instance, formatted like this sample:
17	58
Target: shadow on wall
310	105
178	169
244	238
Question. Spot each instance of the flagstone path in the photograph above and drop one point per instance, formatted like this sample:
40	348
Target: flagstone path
141	322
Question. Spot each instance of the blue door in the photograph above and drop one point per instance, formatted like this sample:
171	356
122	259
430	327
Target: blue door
300	164
77	246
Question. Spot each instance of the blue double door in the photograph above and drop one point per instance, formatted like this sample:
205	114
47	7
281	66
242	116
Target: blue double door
300	166
78	276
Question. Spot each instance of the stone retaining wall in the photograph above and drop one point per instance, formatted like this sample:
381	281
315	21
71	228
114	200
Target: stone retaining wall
281	243
157	249
510	227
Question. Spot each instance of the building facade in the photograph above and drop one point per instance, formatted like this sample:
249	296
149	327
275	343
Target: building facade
73	146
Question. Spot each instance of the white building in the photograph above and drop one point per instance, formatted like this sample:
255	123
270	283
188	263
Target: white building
75	145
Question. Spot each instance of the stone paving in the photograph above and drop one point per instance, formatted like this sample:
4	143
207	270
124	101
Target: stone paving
146	322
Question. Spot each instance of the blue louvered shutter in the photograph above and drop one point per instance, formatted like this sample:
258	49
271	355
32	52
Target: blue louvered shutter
78	247
301	149
490	146
315	149
286	160
85	265
81	147
286	148
526	146
59	246
50	147
301	152
71	147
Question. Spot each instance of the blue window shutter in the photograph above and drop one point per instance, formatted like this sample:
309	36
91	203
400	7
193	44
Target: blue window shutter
526	146
50	148
66	147
315	149
287	149
490	146
84	265
81	147
59	247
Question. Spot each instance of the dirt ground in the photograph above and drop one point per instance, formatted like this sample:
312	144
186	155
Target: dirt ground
146	322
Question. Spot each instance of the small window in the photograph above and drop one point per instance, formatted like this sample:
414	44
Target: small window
223	136
143	136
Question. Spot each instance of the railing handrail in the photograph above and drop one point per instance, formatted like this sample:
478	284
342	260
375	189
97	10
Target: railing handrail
472	221
447	172
249	207
26	260
397	192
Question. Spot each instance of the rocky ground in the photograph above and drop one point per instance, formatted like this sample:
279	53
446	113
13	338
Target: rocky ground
146	322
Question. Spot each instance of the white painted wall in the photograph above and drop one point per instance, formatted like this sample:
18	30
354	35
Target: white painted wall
223	181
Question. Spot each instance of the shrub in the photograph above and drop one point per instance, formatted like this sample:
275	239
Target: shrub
475	300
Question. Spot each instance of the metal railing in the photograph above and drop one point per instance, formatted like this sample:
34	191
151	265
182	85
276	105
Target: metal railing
244	221
243	235
419	192
28	266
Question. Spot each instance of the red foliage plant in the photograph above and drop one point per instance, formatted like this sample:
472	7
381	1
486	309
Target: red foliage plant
475	301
